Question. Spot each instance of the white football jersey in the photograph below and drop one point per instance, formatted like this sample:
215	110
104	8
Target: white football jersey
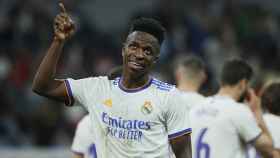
273	124
131	122
221	128
83	142
192	98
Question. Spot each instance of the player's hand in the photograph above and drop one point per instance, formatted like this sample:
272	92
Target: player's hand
64	26
253	101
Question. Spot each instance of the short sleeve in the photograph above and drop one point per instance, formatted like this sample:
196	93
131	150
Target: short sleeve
246	124
83	138
277	143
177	116
78	90
273	122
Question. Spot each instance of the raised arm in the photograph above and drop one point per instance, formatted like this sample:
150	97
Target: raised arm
263	143
44	82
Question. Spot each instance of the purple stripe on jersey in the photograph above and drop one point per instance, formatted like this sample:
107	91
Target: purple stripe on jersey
254	139
180	133
135	89
69	93
92	151
78	153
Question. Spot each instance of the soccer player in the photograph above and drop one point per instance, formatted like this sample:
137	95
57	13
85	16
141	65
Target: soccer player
270	102
222	126
83	142
190	74
134	115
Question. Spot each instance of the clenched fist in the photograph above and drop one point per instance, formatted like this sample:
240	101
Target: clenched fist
64	26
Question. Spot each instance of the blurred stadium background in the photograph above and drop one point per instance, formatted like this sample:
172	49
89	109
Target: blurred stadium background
215	30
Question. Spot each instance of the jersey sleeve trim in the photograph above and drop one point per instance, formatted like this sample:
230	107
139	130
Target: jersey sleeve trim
93	150
251	141
180	133
78	153
71	100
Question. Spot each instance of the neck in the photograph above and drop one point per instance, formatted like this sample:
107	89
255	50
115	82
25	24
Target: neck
130	82
230	92
188	86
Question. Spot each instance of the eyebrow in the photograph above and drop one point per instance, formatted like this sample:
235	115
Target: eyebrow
151	43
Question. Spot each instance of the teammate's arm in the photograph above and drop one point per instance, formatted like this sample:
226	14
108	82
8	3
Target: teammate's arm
78	156
276	153
264	143
181	146
44	82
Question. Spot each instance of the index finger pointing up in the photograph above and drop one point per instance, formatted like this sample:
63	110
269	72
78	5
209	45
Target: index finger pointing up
62	8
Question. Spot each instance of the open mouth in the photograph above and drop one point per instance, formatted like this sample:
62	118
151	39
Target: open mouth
135	65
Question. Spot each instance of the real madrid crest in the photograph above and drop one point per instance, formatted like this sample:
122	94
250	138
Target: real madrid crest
147	107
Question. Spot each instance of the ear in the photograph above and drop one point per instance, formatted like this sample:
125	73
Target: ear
177	75
123	52
243	83
204	77
123	49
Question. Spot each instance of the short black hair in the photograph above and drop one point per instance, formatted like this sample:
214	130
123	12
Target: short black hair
191	62
271	98
150	26
234	71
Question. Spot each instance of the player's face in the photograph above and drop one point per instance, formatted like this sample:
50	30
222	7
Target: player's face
140	52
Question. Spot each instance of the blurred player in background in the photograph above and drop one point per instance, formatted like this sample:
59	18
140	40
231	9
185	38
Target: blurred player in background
83	142
222	126
190	74
133	116
271	104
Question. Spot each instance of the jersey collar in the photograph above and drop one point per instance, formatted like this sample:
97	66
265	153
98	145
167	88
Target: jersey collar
133	90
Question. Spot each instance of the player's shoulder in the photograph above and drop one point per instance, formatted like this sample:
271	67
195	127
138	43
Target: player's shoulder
192	98
272	121
164	91
242	107
193	95
162	86
268	117
90	80
225	103
205	102
104	79
239	110
85	121
102	82
229	102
